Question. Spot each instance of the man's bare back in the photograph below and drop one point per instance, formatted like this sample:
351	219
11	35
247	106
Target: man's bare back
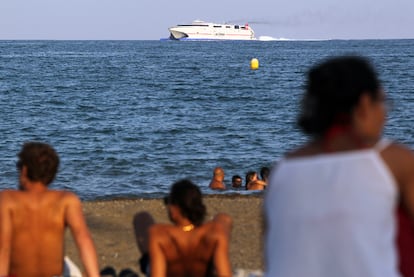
189	253
36	220
33	220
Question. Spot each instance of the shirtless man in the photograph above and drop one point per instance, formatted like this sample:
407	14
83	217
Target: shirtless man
33	220
218	179
189	247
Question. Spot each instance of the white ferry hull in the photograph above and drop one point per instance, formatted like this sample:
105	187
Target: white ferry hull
200	30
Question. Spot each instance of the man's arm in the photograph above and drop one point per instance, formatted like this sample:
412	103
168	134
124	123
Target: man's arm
5	235
77	224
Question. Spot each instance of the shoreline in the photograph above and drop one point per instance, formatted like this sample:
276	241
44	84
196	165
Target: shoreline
110	224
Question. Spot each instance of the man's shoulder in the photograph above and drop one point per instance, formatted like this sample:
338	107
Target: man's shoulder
11	195
17	197
67	197
63	196
7	192
7	197
61	193
217	185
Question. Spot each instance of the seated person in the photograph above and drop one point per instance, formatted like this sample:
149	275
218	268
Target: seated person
33	220
253	183
236	181
217	181
189	246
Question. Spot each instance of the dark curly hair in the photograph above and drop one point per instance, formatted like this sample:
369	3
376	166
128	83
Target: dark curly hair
333	89
187	196
41	161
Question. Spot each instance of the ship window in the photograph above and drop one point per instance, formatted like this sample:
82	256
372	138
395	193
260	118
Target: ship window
236	27
228	27
217	26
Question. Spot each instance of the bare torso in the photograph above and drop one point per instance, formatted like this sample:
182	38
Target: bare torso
216	184
37	222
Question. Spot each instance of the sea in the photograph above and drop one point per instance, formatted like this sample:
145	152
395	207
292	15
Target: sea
129	118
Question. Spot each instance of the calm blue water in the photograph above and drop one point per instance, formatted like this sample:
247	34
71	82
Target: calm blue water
128	118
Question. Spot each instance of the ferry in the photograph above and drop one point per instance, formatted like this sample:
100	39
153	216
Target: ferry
200	30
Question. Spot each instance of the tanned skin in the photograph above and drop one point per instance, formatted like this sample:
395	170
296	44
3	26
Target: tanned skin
32	225
217	182
176	253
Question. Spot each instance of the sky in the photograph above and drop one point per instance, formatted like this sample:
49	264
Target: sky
150	19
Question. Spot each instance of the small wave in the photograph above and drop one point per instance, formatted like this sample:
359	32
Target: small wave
269	38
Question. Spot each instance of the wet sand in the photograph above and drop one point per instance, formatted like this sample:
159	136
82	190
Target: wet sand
110	222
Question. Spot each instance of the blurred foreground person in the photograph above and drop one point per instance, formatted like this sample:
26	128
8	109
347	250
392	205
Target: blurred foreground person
33	220
189	246
331	204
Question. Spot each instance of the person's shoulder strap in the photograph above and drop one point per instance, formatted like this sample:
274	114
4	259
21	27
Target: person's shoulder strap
382	144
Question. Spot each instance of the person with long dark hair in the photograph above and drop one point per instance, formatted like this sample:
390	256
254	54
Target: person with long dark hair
330	205
190	246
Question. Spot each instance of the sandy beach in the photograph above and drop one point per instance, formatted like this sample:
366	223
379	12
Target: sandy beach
110	222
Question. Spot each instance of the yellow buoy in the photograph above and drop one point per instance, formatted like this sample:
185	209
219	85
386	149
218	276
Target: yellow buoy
254	64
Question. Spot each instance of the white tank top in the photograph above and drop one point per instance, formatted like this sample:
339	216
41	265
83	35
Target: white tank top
332	215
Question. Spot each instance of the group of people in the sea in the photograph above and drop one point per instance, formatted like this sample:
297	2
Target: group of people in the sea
252	180
330	206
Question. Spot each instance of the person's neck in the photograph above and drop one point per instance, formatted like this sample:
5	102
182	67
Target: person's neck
34	187
344	138
188	227
185	224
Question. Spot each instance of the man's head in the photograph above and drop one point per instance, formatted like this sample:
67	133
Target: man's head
218	174
236	181
40	161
